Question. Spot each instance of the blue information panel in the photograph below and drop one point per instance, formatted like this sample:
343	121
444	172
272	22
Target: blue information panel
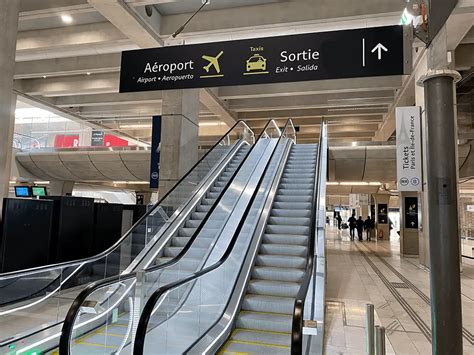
311	56
155	152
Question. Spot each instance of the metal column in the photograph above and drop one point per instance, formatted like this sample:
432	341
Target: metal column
446	318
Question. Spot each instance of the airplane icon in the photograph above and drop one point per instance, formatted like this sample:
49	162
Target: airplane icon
213	62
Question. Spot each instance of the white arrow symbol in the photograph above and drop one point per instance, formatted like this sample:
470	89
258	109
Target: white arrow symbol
379	48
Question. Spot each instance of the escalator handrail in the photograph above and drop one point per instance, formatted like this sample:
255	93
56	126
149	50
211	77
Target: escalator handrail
150	305
70	318
32	271
298	309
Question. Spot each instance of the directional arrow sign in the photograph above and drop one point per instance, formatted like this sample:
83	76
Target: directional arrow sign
379	48
309	56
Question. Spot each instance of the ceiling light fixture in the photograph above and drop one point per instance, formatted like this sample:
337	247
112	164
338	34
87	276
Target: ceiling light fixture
67	19
88	73
44	76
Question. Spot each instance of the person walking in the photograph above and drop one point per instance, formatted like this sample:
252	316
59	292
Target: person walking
368	226
360	228
352	225
339	221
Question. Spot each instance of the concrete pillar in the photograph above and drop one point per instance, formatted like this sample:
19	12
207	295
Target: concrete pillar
9	10
179	136
60	188
409	222
442	202
381	216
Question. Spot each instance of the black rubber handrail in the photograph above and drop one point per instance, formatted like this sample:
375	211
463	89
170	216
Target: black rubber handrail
150	305
69	320
298	309
28	272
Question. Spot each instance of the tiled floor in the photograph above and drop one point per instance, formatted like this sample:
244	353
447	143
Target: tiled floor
373	272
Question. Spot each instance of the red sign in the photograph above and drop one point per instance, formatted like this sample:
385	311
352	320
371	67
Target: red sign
66	141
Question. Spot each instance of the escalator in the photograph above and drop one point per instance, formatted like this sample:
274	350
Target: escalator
101	307
252	300
265	320
33	303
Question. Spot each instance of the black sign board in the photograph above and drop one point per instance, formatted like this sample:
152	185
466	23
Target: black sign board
382	213
314	56
97	139
411	212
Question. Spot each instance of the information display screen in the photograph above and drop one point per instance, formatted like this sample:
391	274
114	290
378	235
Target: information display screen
22	191
38	191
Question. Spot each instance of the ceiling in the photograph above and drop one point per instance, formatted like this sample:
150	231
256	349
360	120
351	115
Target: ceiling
74	67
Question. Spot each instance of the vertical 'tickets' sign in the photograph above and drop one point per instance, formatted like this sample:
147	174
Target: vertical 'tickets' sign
409	171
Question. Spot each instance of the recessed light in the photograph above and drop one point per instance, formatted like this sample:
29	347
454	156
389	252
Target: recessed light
44	76
88	73
66	18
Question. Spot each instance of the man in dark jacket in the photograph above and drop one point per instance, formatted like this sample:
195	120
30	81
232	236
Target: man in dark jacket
360	227
369	225
352	225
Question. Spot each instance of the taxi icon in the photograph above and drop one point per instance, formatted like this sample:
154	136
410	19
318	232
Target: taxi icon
256	62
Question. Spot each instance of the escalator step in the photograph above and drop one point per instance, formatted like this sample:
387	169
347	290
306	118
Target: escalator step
281	261
285	239
289	221
290	213
273	288
277	274
266	322
283	249
272	304
279	229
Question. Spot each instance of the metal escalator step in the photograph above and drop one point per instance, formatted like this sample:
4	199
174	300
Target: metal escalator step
208	201
193	252
292	205
199	242
300	192
298	180
289	221
273	288
186	232
277	274
279	229
237	347
283	249
285	239
186	264
297	262
217	189
292	198
212	195
220	184
270	338
198	215
265	322
295	186
192	223
272	304
203	208
289	213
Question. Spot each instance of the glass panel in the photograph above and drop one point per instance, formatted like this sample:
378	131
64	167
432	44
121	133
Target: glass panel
40	298
192	308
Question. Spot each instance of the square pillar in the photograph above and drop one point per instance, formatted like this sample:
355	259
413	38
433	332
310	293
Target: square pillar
179	136
381	216
9	10
409	222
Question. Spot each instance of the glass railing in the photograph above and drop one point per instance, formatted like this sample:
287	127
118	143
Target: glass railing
191	306
126	295
40	298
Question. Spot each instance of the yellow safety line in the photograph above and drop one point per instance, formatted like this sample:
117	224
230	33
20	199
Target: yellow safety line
113	335
259	344
98	345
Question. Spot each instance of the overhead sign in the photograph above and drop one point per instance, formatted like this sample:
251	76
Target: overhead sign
97	138
314	56
357	200
470	208
409	162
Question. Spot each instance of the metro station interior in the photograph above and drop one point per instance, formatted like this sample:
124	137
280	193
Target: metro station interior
236	177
